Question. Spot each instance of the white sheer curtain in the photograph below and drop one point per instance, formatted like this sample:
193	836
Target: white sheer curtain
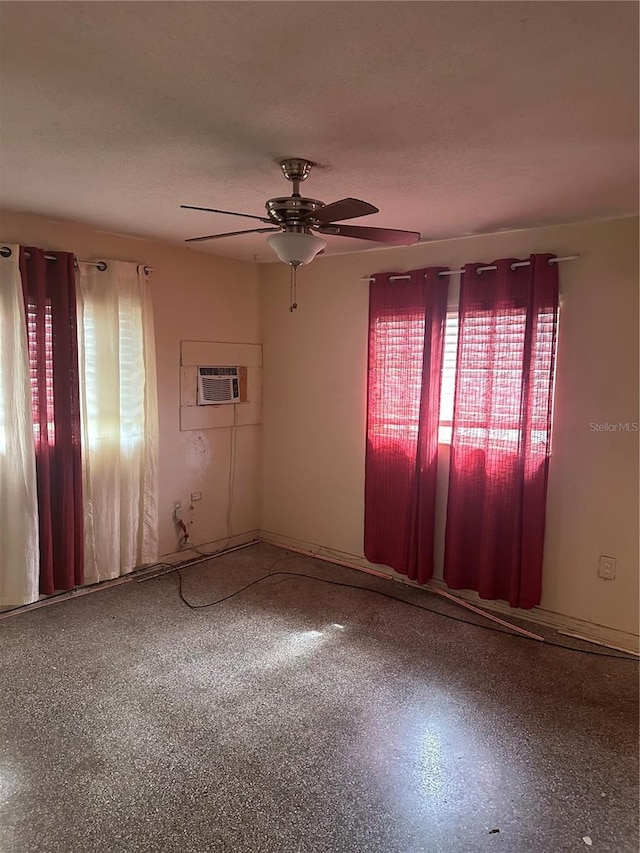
19	545
119	411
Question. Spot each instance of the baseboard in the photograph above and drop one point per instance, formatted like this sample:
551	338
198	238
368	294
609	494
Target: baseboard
141	572
601	634
176	557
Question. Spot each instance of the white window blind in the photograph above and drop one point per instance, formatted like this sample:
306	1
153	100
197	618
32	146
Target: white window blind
448	376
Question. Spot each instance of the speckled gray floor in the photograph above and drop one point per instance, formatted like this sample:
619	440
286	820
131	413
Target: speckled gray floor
303	718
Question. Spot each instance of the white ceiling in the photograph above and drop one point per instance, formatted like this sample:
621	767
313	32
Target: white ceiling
453	118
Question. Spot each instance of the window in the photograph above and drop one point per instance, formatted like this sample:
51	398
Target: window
397	340
502	371
448	377
486	371
397	359
491	373
126	426
36	396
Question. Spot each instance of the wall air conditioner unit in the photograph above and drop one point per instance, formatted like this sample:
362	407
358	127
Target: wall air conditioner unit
218	385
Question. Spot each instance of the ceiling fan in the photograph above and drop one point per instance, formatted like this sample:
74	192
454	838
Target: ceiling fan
296	218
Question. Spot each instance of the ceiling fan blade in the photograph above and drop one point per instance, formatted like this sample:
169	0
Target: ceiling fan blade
345	208
227	212
229	234
391	236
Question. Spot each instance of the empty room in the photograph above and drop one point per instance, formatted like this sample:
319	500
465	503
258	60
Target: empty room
319	512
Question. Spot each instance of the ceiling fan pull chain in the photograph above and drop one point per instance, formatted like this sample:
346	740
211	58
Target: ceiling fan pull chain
292	288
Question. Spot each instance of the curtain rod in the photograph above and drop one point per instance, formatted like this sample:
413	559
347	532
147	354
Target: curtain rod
5	251
480	269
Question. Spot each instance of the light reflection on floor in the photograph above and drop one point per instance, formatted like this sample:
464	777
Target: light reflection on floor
8	784
431	764
300	643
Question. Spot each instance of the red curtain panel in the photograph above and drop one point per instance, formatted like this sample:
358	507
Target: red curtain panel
406	336
50	306
502	430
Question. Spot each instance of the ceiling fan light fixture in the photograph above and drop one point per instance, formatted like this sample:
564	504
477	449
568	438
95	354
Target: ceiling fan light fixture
295	247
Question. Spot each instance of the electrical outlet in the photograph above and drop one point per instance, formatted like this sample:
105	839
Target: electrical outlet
196	496
607	568
177	511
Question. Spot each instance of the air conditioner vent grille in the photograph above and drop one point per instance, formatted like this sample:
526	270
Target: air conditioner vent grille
218	385
218	371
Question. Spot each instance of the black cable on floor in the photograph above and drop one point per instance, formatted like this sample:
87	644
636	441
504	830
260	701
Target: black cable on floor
271	574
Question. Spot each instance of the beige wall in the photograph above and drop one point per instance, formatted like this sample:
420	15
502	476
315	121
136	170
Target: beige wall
195	297
314	398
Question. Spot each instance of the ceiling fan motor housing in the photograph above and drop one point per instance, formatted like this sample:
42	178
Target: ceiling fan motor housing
289	210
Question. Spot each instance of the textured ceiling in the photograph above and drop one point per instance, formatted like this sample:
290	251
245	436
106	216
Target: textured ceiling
453	118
